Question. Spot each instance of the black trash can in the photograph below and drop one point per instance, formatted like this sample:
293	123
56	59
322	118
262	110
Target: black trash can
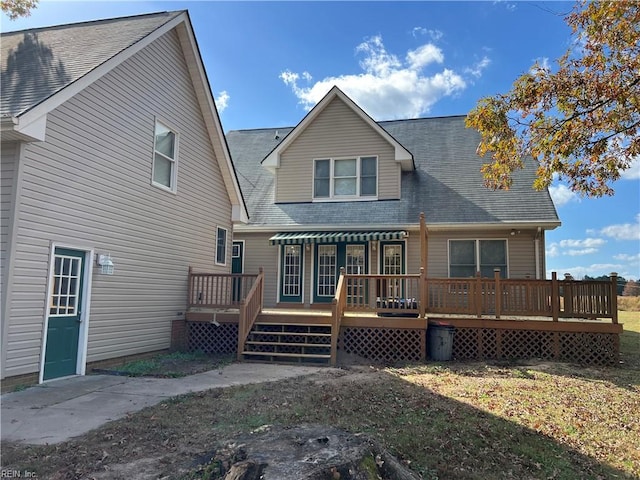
440	341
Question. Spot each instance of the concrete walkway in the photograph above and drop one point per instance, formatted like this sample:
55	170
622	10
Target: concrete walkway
59	410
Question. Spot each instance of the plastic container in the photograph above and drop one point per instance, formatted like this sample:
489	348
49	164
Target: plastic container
440	341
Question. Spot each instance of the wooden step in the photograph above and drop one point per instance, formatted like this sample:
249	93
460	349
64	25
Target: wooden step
283	326
287	355
291	334
286	344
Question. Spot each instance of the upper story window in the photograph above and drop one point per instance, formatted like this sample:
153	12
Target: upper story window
165	157
466	257
343	178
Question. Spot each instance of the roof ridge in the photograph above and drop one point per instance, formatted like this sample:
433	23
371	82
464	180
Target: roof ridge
101	20
440	117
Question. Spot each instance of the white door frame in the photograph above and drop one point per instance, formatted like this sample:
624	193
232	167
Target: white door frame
81	361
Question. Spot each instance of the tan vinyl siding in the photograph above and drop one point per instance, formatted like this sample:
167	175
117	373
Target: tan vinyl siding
336	132
8	170
9	161
258	253
89	186
520	248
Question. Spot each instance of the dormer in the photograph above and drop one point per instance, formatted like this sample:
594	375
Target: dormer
338	153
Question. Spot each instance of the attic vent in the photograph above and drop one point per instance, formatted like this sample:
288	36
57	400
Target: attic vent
277	136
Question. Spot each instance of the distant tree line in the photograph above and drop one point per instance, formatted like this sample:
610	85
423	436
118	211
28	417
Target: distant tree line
626	288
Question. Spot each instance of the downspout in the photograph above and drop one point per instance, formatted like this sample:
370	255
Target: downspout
536	243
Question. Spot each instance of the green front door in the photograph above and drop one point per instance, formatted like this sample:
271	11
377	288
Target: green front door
65	314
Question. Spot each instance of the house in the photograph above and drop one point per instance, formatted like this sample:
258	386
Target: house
116	178
342	190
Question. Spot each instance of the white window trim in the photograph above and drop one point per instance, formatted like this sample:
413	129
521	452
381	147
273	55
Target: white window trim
339	198
174	174
477	252
226	243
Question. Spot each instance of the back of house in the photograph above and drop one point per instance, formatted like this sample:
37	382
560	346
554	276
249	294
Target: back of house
342	190
115	179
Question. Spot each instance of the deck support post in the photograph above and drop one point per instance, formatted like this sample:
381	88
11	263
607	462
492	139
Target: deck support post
555	297
614	297
423	293
498	293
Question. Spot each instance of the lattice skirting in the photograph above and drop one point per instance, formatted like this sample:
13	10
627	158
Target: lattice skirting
209	338
499	344
387	345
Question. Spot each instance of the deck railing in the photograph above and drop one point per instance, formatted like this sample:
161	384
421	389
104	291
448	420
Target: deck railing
338	307
415	295
250	308
218	290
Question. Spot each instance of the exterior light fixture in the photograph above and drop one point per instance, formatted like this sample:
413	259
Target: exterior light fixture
105	263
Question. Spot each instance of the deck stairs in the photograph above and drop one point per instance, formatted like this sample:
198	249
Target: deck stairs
281	342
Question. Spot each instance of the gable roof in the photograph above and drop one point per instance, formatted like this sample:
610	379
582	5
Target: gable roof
447	185
402	155
44	67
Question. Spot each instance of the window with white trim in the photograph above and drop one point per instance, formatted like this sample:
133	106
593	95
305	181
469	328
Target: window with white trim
221	246
344	178
466	257
165	147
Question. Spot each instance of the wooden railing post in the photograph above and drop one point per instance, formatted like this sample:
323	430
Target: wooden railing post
337	310
614	297
189	287
422	288
555	297
478	295
498	294
242	335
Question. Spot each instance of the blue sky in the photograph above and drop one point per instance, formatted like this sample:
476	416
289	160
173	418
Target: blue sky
269	62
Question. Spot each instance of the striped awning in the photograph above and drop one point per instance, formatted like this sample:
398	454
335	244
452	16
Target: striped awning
298	238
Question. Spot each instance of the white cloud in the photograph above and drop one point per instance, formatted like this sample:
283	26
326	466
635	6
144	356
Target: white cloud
387	87
633	172
561	194
477	69
222	101
625	257
625	231
584	251
552	250
434	34
586	243
424	55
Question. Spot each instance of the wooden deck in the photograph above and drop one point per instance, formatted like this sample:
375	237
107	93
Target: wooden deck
386	317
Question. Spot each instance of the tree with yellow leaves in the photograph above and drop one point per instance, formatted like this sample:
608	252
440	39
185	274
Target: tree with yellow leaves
580	122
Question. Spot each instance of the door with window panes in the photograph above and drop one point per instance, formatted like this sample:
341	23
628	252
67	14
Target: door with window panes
65	314
329	258
392	263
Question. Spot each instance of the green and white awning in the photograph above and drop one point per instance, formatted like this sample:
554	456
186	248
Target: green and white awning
299	238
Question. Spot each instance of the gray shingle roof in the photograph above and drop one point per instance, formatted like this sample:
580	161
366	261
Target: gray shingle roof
447	184
40	62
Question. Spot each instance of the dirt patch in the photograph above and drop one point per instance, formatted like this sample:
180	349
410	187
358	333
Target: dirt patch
459	421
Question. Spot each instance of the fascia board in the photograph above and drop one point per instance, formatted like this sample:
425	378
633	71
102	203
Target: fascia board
434	227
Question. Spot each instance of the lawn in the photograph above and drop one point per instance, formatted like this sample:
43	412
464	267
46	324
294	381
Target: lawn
447	421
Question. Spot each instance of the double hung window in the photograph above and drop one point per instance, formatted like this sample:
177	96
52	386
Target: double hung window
165	147
466	257
343	178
